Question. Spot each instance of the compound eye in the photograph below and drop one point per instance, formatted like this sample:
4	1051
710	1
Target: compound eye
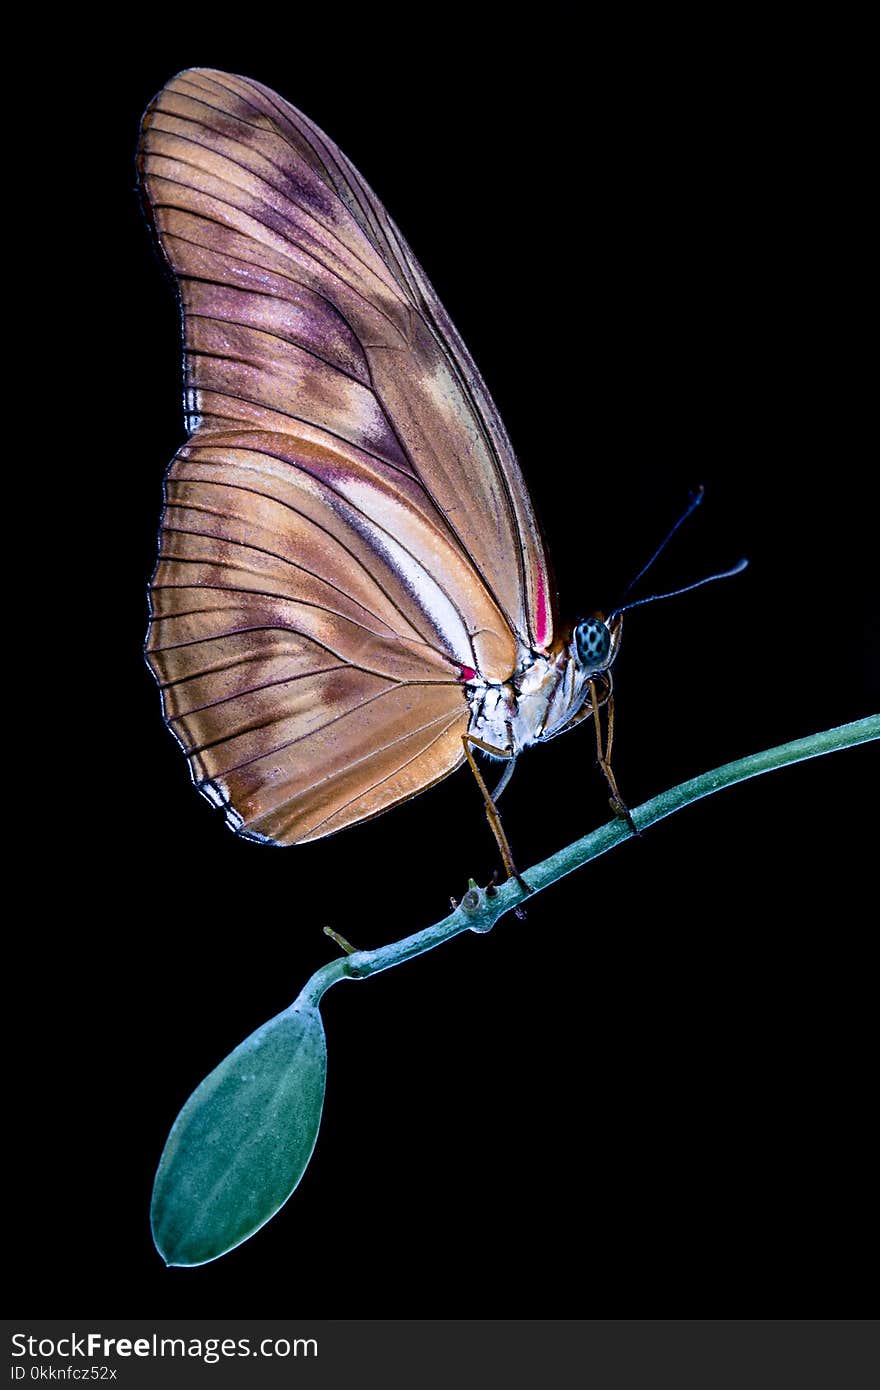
593	643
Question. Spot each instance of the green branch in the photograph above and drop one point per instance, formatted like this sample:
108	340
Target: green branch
479	911
241	1143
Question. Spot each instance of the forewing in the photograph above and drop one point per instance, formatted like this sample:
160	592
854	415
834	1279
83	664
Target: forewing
311	259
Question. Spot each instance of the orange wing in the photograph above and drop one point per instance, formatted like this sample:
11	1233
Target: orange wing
346	530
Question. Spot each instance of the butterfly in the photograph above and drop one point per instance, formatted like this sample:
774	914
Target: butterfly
352	592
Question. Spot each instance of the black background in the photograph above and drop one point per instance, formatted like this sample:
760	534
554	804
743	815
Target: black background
655	1092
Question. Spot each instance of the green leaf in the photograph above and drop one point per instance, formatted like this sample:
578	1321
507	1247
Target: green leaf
240	1145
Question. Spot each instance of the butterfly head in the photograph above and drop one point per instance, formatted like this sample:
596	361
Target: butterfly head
594	643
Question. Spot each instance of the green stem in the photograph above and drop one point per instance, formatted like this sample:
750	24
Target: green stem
479	911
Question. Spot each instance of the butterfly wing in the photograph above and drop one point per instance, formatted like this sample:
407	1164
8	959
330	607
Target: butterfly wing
346	531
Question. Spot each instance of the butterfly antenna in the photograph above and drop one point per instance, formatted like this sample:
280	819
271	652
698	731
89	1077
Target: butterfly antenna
673	593
695	500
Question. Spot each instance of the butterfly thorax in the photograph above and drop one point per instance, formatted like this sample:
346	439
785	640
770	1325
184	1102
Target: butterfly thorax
543	696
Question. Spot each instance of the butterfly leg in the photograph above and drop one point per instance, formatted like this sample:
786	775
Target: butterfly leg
618	805
469	742
504	779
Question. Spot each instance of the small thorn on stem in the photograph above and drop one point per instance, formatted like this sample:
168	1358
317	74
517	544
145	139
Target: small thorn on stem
346	946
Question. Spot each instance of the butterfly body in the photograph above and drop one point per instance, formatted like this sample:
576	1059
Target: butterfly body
546	695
